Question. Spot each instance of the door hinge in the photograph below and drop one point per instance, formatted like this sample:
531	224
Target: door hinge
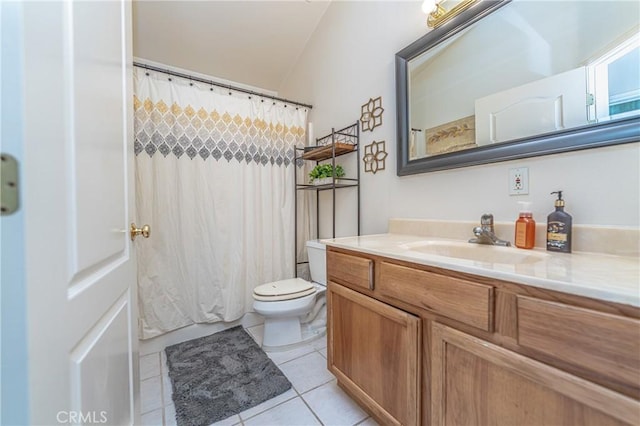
8	185
590	99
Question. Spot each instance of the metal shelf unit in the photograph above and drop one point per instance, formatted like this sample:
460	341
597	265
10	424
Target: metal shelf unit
339	142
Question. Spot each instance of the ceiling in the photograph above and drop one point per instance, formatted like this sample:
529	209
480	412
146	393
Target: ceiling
256	43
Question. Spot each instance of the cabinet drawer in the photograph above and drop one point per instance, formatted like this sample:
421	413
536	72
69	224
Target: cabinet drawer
349	269
461	300
604	343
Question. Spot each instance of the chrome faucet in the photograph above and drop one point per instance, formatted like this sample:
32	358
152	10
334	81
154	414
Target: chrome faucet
485	233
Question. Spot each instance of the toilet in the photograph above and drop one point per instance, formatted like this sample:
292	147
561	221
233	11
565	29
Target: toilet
294	310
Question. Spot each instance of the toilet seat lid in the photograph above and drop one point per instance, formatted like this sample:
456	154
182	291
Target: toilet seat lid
283	290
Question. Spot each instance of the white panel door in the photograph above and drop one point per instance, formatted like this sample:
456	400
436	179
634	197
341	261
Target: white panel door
547	105
81	293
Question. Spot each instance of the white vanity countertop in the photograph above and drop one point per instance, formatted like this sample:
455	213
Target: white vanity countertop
594	275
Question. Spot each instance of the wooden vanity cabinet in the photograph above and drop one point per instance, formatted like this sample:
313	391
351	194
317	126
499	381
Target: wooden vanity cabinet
475	382
459	349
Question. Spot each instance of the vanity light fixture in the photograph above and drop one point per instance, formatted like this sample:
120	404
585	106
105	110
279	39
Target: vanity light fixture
433	10
437	14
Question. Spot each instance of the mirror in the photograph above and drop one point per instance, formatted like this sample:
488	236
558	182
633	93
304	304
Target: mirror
513	79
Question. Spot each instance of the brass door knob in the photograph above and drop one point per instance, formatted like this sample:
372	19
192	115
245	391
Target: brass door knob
145	231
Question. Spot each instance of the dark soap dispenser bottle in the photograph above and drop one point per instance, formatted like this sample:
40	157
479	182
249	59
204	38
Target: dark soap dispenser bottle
559	227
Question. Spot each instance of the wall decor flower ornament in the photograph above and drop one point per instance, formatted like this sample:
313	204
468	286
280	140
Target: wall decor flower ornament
371	114
374	157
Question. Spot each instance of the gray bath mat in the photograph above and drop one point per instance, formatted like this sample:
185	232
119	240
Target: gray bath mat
220	375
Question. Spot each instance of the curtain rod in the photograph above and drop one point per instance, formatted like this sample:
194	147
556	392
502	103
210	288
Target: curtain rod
225	86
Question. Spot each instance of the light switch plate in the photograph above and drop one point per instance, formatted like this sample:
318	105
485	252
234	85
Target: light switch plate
519	181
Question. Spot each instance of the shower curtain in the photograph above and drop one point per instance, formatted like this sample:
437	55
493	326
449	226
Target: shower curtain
214	178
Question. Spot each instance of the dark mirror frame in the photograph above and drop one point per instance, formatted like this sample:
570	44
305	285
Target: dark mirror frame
591	136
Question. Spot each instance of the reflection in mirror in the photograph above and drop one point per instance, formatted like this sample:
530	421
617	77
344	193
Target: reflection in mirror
526	72
614	82
528	68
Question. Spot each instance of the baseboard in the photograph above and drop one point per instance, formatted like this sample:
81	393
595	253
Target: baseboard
194	331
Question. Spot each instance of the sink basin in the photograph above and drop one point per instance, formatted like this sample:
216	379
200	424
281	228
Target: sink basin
476	252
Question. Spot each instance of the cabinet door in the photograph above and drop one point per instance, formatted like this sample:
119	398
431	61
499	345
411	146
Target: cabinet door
477	383
374	351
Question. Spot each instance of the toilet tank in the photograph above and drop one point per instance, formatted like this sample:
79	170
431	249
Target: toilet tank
317	261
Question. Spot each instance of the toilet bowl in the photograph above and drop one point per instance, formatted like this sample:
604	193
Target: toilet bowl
294	310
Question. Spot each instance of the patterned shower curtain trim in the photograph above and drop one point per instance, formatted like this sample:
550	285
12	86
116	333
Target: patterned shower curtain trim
185	131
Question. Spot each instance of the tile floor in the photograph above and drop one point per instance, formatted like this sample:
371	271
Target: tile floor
314	399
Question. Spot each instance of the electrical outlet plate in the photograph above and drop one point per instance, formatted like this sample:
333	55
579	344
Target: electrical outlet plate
519	181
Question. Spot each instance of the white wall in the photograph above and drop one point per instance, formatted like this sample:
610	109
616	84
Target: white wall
350	58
